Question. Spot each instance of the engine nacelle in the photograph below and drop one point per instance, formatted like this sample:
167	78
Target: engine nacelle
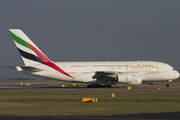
124	78
129	79
137	80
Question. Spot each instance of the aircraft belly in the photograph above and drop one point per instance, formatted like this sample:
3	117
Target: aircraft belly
157	77
84	78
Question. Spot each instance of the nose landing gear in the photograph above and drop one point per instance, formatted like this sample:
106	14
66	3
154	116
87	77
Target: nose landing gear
168	83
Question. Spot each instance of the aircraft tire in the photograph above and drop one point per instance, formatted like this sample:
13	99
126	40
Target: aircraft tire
168	85
109	86
89	86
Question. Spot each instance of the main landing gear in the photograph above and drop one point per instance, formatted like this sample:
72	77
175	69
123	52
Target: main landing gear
98	86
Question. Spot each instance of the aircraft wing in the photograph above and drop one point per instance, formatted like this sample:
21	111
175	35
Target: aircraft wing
105	74
10	67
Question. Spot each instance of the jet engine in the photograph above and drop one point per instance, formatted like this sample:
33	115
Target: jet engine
124	78
136	80
129	79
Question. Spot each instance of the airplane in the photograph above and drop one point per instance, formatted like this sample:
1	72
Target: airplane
95	74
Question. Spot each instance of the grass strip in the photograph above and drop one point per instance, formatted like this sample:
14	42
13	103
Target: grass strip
28	103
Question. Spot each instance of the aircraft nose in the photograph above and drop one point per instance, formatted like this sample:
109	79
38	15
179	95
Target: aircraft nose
176	74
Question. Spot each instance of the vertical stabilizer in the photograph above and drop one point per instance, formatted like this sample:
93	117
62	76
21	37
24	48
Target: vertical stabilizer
30	53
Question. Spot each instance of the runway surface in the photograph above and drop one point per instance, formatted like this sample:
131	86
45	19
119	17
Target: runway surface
84	90
15	87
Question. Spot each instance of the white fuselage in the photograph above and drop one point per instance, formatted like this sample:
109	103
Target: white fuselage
132	72
83	71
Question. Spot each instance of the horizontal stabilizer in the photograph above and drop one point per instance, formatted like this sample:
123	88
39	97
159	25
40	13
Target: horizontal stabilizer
11	67
27	69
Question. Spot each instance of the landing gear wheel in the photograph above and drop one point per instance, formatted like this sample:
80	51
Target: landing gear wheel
98	86
89	86
168	85
92	86
109	86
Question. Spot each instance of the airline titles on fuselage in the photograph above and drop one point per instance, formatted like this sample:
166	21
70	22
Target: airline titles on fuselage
129	68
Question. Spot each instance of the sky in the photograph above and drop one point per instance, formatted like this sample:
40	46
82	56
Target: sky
92	30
